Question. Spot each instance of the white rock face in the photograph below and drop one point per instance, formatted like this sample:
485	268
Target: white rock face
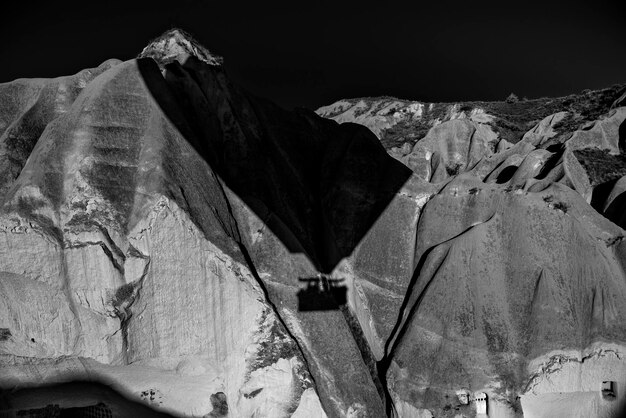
82	311
198	317
309	406
133	280
575	378
194	303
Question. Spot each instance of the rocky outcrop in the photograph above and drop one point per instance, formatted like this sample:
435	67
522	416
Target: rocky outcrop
203	252
494	293
119	248
397	122
544	130
601	134
533	310
451	148
153	213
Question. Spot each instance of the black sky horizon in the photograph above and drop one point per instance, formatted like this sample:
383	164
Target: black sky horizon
301	55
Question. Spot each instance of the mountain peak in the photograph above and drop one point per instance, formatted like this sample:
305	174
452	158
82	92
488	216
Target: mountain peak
177	45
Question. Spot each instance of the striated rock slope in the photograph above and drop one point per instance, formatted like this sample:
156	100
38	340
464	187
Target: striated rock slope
161	223
518	288
170	238
397	122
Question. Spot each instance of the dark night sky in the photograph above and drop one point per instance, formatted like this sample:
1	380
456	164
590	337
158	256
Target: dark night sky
311	54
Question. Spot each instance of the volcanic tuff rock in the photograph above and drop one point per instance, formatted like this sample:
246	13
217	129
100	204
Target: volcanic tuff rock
518	282
158	224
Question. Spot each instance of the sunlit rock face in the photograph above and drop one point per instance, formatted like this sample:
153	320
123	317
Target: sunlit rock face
518	283
121	263
202	252
509	278
156	234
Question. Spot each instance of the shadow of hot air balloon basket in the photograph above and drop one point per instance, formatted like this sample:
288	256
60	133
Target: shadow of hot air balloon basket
321	293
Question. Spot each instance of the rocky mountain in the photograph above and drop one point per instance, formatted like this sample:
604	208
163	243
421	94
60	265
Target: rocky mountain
396	121
170	244
518	282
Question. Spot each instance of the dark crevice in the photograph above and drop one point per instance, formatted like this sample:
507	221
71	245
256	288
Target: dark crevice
324	184
615	210
506	174
550	164
622	137
367	355
468	157
105	248
404	316
411	303
125	297
557	147
119	267
600	195
407	308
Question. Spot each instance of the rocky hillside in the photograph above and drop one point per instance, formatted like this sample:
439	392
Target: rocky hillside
511	252
397	122
202	252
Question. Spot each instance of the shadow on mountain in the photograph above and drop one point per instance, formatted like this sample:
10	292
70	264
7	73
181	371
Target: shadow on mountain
73	399
506	174
321	294
317	185
615	210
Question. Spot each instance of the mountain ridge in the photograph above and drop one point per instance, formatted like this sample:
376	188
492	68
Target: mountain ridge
387	115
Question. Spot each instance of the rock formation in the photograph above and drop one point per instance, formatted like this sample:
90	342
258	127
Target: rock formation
202	252
518	283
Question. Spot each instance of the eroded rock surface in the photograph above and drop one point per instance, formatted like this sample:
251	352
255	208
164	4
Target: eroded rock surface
206	253
119	249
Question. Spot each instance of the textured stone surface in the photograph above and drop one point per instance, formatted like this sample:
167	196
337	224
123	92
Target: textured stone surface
491	335
602	134
112	251
450	148
499	287
28	106
398	122
158	226
544	130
